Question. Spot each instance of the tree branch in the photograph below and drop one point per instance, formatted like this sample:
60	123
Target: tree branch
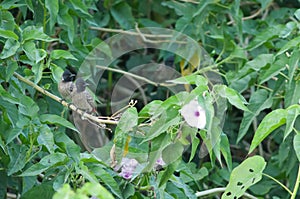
64	103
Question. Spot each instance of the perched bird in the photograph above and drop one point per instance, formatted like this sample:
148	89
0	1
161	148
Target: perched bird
92	136
81	98
66	85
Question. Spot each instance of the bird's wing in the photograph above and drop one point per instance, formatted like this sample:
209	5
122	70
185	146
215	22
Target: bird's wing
90	99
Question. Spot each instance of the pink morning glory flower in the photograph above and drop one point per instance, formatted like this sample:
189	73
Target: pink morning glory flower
194	114
128	166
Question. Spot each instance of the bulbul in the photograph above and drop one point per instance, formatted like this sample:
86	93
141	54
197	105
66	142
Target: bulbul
81	98
66	85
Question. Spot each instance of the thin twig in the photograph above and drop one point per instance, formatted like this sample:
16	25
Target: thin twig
296	184
134	76
217	191
64	103
130	32
247	18
155	41
190	1
278	182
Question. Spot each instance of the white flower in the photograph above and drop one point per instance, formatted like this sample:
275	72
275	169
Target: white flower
194	114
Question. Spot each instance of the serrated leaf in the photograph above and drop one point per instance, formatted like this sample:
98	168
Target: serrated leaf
248	173
232	96
259	101
270	122
297	146
55	119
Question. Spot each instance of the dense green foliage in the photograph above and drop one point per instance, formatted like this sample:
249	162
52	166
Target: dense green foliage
252	106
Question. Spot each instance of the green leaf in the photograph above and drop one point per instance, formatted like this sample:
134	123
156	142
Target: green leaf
52	7
259	101
45	163
61	54
80	7
65	20
172	152
37	69
232	96
297	145
264	36
35	192
273	70
12	134
12	66
45	138
64	192
161	126
290	44
270	122
292	94
10	48
168	172
188	191
195	144
122	13
55	119
108	180
17	156
7	34
35	33
86	173
128	120
248	173
34	54
292	114
225	150
94	189
28	107
190	79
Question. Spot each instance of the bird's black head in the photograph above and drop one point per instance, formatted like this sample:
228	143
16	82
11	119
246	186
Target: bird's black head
80	85
68	76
